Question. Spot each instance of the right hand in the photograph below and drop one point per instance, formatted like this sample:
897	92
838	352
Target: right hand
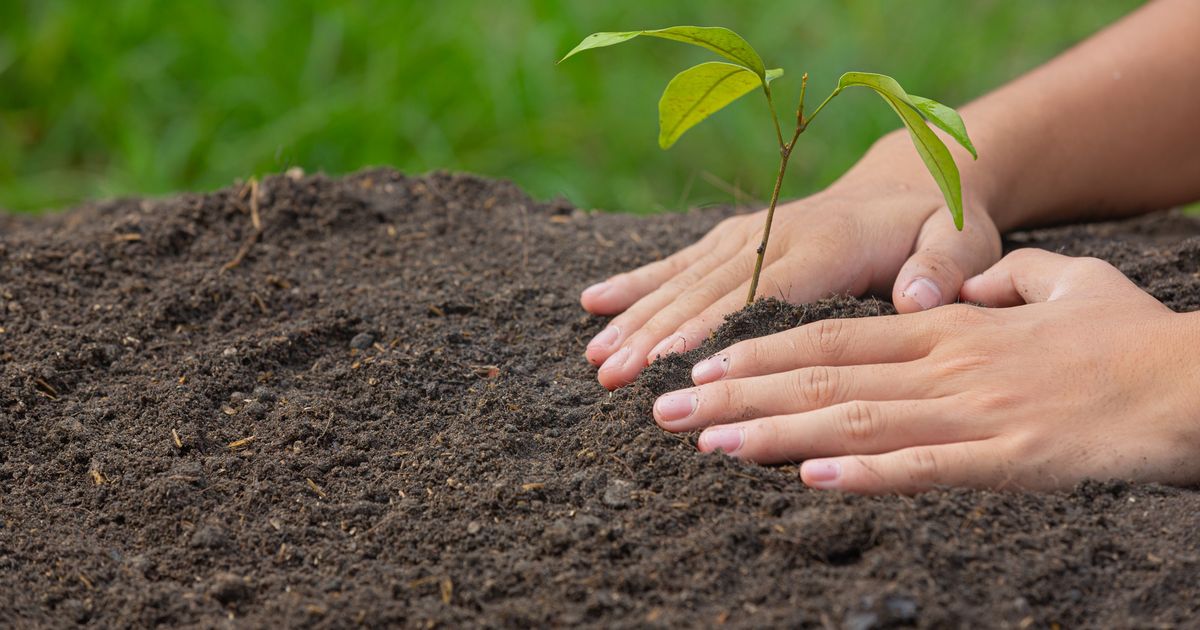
883	226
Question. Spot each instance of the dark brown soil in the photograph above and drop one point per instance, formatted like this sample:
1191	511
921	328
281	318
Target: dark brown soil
382	416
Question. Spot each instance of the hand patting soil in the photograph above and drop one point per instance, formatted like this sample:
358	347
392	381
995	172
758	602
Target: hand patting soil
381	414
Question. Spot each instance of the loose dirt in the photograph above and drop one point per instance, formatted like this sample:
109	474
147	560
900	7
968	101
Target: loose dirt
373	409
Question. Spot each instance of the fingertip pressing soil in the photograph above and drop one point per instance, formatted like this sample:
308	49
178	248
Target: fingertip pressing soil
373	409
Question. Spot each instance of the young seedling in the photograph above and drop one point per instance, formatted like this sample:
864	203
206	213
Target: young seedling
702	90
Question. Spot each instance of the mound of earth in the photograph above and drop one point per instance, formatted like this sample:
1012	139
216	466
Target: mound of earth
362	401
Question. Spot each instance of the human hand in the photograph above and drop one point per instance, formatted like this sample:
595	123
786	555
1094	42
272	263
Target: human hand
873	231
1092	378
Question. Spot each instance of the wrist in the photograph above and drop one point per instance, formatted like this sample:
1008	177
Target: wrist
892	166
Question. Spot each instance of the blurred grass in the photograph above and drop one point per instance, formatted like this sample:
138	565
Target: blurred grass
148	97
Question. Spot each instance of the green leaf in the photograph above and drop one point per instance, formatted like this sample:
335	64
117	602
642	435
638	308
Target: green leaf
946	119
720	40
600	40
933	152
699	92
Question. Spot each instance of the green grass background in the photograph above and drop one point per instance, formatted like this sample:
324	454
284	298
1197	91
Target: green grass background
133	97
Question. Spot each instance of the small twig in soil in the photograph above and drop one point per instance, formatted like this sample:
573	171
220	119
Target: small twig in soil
328	423
315	488
255	236
45	388
622	462
255	220
242	443
258	301
600	239
485	371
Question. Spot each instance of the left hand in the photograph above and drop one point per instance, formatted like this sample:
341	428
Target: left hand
1087	377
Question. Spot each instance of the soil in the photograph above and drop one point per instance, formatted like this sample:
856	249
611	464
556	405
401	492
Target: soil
381	415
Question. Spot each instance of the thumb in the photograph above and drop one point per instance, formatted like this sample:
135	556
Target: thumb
942	258
1033	275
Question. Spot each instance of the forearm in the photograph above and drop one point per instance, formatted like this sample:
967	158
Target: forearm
1109	128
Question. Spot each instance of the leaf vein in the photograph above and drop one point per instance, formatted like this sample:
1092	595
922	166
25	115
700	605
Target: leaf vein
699	101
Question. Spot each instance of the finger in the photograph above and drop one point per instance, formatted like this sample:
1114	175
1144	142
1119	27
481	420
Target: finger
604	345
942	258
975	464
795	391
793	280
697	325
858	427
829	342
813	268
621	291
623	367
1031	275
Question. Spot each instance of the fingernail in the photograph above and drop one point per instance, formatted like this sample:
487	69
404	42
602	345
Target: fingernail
711	369
617	360
821	473
675	406
925	292
726	440
596	290
606	338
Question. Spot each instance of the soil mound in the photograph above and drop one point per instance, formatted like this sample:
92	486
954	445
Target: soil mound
363	401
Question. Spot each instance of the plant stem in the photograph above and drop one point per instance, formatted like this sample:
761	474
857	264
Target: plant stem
800	107
774	116
785	152
762	248
820	107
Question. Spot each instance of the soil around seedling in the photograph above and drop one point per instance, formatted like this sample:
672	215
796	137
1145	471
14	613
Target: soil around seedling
381	415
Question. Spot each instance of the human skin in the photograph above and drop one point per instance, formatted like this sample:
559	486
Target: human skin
1107	129
1022	396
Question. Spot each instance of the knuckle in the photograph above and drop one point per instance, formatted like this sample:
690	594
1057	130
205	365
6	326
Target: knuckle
826	337
680	281
759	353
659	326
958	364
860	421
764	437
991	402
722	400
692	288
1024	255
1091	266
923	465
939	264
673	264
703	293
962	316
817	387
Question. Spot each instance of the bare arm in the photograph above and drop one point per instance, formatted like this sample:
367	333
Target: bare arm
1109	128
